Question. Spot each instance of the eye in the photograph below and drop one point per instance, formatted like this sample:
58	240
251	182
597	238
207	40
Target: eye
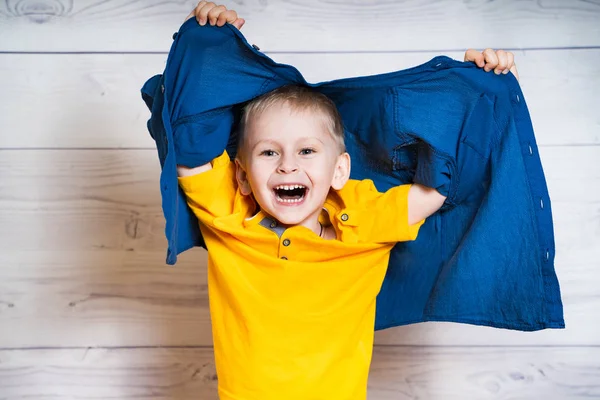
267	153
306	151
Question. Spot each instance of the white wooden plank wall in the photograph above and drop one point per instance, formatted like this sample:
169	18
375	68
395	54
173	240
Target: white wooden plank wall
88	308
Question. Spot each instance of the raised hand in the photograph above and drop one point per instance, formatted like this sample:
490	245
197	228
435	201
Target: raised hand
209	12
500	61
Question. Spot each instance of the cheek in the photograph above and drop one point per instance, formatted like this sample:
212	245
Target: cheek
321	172
259	175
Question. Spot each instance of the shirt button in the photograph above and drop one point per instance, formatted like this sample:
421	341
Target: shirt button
286	242
345	217
273	224
284	258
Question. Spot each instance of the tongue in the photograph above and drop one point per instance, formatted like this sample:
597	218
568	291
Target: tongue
290	194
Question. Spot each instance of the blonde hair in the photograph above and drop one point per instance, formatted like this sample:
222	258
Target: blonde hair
299	98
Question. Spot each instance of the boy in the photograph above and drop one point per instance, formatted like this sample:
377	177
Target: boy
297	250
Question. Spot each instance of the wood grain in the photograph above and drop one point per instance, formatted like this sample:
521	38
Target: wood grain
88	308
57	101
397	373
307	25
82	255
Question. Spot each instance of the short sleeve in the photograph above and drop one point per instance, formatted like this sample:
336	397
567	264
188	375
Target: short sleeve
211	193
377	217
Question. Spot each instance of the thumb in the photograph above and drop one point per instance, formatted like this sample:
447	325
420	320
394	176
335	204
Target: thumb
476	57
513	69
238	23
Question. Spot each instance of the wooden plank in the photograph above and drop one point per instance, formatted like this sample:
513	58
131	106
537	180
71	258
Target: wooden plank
103	298
78	101
484	373
94	100
397	373
82	255
310	25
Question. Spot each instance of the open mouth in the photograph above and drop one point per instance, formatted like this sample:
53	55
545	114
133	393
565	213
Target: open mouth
290	193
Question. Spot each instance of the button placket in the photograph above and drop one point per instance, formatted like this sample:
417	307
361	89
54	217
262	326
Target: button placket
286	242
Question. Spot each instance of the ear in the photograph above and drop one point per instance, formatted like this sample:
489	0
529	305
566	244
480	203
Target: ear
341	173
242	178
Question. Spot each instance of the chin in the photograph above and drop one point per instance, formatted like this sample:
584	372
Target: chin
287	219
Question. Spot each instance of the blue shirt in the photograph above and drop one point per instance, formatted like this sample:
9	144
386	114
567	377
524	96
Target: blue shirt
487	258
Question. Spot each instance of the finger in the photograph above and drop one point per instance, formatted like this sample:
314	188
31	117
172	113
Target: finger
191	15
214	13
225	17
502	62
197	8
474	56
202	12
514	71
238	23
491	61
511	60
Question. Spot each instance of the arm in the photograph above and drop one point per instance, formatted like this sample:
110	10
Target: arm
423	201
210	188
219	16
395	215
183	171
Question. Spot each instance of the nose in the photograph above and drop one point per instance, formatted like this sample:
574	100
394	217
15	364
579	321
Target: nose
287	165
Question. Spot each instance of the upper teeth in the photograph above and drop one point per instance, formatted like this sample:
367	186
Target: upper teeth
289	187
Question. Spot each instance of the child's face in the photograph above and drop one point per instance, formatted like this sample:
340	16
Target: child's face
289	163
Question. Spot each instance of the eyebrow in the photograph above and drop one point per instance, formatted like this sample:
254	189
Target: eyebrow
272	142
267	141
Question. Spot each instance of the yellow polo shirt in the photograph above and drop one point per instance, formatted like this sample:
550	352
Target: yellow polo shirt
293	314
